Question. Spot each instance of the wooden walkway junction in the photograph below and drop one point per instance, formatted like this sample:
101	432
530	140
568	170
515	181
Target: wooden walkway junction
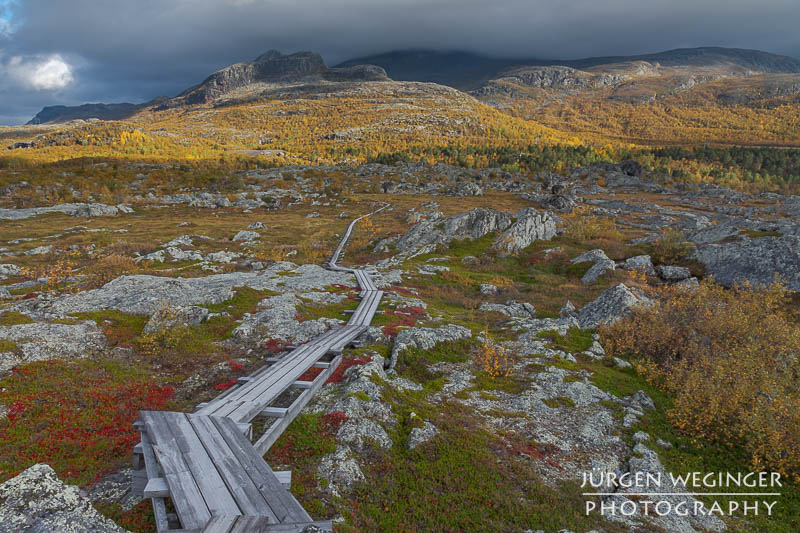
207	466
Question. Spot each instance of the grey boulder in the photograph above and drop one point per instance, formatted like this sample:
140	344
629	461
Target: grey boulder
36	501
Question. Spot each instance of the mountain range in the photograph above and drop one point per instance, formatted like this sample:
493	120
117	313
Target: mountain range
748	76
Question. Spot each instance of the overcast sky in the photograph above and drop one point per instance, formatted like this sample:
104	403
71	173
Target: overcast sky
75	51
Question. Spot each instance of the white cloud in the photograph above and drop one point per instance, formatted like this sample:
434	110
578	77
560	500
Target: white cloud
40	73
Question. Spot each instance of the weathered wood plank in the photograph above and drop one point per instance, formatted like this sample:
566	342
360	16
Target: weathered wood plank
269	437
283	505
184	492
238	480
151	467
156	488
215	491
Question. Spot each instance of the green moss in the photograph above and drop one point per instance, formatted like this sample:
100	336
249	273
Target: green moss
245	300
7	345
487	396
509	384
413	363
13	318
312	311
463	480
755	234
576	340
121	328
559	401
360	395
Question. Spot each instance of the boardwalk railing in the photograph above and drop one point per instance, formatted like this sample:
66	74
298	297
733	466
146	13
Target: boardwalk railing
206	463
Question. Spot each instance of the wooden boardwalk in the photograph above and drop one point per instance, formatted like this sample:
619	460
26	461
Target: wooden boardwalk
207	464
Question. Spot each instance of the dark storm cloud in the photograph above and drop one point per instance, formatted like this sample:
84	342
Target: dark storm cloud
69	52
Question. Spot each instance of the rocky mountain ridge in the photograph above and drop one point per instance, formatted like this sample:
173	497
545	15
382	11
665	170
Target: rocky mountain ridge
483	76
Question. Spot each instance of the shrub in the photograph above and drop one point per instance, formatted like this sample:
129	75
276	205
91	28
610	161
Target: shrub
108	268
171	332
730	360
672	246
581	227
76	416
493	359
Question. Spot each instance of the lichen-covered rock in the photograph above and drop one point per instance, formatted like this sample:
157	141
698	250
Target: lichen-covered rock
487	289
567	310
36	501
421	435
41	341
755	260
644	463
612	304
426	338
471	225
7	270
511	308
640	263
340	471
673	273
75	210
173	317
530	226
246	236
144	294
277	319
602	264
466	188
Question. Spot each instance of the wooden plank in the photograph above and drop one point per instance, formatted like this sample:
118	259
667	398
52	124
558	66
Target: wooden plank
151	467
230	524
273	412
194	472
281	502
263	393
184	492
284	478
220	524
276	374
215	490
238	480
269	437
156	488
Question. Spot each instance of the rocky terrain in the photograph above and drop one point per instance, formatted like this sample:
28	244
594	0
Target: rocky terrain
483	383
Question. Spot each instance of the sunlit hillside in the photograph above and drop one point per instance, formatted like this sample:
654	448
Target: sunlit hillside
317	124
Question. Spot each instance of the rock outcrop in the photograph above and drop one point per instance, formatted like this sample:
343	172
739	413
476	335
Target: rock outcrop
36	501
612	304
602	264
273	67
39	341
74	210
471	225
530	226
425	339
755	260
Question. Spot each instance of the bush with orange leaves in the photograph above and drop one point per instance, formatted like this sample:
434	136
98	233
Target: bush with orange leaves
108	268
730	358
493	359
579	225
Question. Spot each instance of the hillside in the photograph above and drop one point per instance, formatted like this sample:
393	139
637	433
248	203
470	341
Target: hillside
313	121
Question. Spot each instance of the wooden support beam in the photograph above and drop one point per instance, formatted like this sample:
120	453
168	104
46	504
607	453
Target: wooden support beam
274	412
284	477
300	384
156	488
